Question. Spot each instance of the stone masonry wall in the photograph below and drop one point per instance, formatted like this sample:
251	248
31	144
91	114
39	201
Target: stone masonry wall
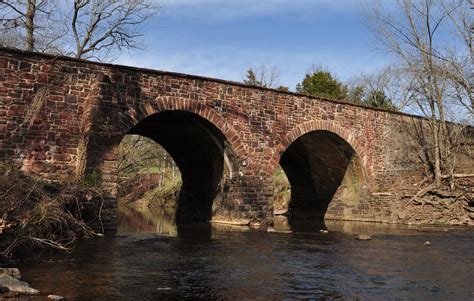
62	118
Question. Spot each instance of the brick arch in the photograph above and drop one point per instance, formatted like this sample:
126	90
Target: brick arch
162	104
321	125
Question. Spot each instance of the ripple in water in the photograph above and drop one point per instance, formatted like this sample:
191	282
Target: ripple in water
150	258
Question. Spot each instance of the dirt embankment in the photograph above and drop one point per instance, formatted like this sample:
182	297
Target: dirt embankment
439	206
151	190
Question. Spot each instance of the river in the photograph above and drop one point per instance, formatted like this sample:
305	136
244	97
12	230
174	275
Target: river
149	258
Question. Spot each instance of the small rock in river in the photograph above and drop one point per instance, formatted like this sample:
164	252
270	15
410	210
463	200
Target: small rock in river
364	237
16	285
427	243
55	297
14	272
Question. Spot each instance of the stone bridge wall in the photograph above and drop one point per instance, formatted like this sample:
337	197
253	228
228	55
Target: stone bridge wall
62	117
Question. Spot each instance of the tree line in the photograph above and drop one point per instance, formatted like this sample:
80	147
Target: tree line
367	90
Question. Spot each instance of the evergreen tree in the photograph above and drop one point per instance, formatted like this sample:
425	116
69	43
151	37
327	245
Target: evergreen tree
251	79
322	84
378	99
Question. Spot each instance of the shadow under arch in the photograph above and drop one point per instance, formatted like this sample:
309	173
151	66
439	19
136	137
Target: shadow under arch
202	153
321	167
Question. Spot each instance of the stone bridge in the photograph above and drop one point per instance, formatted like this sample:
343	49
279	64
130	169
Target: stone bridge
64	118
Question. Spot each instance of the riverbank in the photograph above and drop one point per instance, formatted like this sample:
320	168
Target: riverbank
150	190
37	216
435	206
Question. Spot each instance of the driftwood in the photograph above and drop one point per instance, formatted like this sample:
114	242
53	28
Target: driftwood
459	175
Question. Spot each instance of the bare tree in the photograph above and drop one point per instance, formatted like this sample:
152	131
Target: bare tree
89	29
29	24
389	80
419	35
137	154
262	76
99	26
11	39
459	60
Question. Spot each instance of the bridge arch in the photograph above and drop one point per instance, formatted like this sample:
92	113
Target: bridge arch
206	149
162	104
326	170
322	125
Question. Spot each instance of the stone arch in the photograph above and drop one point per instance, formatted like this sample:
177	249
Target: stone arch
206	149
326	169
322	125
161	104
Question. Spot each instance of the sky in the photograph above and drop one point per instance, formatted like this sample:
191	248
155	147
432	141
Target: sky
224	38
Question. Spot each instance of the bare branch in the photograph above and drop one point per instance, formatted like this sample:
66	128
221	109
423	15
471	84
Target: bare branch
83	28
104	25
434	67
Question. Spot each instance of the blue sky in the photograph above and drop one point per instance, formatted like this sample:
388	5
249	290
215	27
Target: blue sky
223	38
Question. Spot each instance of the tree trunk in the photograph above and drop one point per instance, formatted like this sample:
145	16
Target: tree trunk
29	25
435	128
437	155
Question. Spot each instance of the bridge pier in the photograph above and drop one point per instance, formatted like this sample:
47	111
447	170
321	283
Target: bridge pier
246	200
243	200
242	196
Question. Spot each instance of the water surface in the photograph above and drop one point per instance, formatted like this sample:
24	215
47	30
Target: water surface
150	258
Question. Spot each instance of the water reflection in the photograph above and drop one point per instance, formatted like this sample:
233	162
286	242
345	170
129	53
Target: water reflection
146	220
151	258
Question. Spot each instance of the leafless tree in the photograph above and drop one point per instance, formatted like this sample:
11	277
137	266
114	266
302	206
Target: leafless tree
459	60
421	36
10	39
137	154
30	24
140	157
99	26
389	80
263	76
89	29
